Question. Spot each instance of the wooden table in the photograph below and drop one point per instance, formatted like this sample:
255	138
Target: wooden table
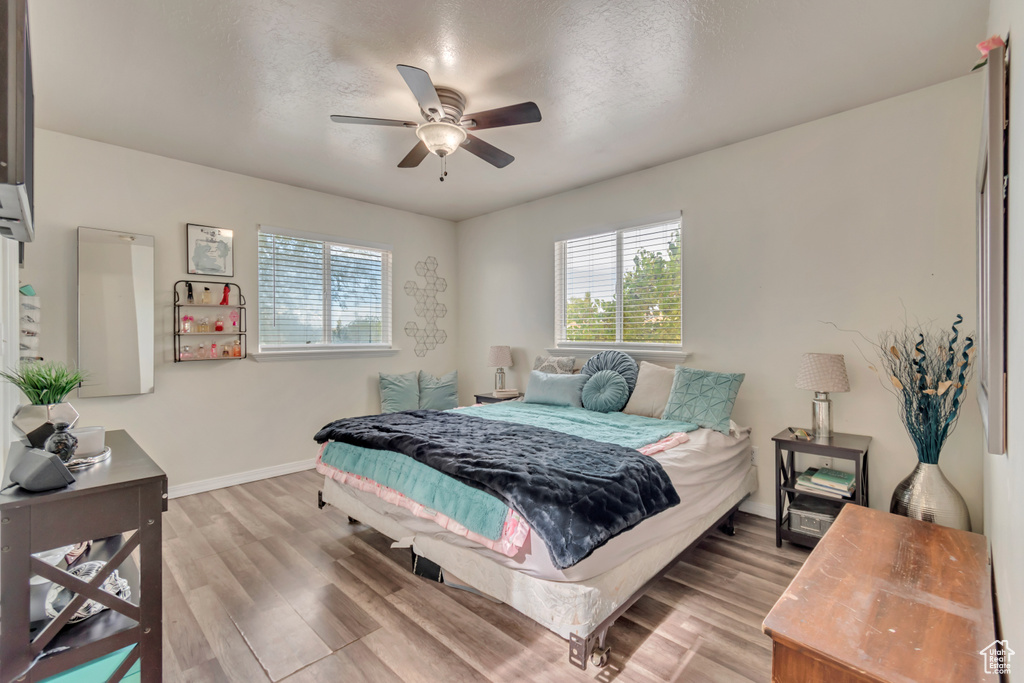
123	496
886	598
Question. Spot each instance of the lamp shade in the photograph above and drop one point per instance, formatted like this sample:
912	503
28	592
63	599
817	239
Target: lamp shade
823	372
499	357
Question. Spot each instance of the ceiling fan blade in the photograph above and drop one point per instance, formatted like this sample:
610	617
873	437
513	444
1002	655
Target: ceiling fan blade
487	152
415	156
512	115
371	122
422	87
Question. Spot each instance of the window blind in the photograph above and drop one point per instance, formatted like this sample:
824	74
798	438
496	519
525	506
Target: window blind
620	287
316	293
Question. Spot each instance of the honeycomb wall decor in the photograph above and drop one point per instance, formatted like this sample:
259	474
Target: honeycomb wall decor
427	307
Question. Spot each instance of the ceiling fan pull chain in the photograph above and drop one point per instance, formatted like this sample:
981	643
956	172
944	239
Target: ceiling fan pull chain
444	167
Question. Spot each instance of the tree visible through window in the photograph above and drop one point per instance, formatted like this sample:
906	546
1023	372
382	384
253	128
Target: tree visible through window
639	267
322	293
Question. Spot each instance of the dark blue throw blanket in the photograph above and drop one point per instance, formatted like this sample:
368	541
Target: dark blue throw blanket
575	493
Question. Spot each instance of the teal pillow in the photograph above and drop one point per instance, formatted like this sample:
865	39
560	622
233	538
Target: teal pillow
399	392
555	390
702	397
616	361
439	393
605	392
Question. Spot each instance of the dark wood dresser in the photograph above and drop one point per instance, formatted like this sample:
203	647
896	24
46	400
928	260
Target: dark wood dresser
886	598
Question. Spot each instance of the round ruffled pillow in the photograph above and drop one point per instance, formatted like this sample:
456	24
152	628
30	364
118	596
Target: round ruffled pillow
616	361
605	392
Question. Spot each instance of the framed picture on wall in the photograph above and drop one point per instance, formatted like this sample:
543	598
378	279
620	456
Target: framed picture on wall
209	250
992	255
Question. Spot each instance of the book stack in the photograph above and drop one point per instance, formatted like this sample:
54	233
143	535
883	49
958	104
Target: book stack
826	482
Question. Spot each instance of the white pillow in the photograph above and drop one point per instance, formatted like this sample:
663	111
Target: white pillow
653	385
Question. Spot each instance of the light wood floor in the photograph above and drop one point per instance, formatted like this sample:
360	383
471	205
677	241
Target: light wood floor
260	585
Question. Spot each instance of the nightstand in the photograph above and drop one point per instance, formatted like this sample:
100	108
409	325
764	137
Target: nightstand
837	447
491	398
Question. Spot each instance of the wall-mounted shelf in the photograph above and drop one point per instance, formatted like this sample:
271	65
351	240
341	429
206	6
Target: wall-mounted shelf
187	351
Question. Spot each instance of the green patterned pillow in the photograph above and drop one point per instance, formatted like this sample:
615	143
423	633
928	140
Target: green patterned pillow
703	397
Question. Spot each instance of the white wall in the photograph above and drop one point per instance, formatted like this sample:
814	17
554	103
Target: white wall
1004	474
844	219
206	420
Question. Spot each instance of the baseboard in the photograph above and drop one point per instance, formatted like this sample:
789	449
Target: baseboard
240	478
759	509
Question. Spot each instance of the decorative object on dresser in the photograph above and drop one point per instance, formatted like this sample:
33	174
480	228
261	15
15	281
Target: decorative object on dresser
209	250
118	507
46	385
797	518
928	371
511	395
885	598
499	357
207	331
822	373
430	336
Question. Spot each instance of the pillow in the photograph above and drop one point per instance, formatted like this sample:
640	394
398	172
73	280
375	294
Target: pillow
555	390
399	392
616	361
605	392
703	397
439	393
653	386
555	365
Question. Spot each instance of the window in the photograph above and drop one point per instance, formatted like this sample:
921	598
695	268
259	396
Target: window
315	293
639	267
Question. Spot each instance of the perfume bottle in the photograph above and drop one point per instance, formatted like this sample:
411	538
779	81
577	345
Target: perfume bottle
226	353
227	294
204	325
201	352
186	353
188	290
236	349
218	326
62	442
186	324
207	298
233	315
213	350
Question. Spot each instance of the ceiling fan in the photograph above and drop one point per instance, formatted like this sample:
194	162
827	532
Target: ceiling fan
446	127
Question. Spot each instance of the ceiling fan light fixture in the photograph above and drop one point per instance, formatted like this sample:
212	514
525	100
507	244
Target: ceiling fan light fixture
440	137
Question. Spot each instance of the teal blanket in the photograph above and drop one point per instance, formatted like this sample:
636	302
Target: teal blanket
474	509
631	431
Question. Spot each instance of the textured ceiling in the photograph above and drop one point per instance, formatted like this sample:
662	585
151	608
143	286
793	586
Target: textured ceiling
248	85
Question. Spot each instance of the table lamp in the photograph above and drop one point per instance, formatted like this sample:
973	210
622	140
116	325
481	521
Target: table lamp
499	357
822	373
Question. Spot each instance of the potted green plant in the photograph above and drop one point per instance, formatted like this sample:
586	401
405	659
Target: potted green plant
928	371
45	385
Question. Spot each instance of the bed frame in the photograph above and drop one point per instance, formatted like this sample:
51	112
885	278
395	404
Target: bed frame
593	647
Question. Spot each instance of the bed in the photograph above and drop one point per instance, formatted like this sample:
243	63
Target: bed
710	471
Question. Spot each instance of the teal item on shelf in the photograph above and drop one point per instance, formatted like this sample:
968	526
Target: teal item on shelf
703	397
555	390
399	392
27	290
605	392
474	509
439	393
99	670
631	431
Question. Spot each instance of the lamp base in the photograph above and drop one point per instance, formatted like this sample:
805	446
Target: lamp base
821	415
499	379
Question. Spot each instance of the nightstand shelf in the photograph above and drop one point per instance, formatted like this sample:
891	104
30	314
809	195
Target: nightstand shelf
839	446
491	398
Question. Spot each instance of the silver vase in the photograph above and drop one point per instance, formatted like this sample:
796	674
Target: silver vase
927	495
36	422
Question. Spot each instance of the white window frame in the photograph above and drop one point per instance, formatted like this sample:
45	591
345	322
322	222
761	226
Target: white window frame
319	351
640	350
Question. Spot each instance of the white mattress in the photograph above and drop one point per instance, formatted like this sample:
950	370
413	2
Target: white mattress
712	473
